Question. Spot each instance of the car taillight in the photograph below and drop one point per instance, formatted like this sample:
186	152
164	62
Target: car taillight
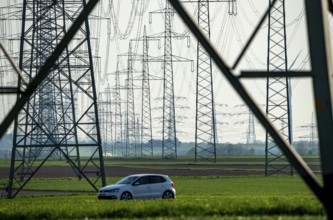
173	185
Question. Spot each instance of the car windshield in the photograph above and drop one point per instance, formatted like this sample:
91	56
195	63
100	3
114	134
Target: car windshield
127	180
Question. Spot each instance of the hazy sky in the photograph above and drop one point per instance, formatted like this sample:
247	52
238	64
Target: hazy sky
125	21
228	33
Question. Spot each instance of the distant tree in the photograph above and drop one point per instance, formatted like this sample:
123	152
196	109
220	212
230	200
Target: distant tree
6	141
301	148
252	151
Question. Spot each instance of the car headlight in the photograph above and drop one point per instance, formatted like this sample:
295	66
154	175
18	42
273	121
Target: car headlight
109	190
114	190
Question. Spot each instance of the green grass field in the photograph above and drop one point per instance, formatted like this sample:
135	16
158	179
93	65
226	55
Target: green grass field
250	197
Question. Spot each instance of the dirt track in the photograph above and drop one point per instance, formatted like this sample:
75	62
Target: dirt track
181	169
119	171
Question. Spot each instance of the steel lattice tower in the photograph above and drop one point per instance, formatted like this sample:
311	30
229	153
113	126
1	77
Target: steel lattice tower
169	138
146	121
130	136
118	118
205	122
105	121
109	121
312	137
138	152
278	107
313	134
52	123
205	127
251	132
102	112
169	134
145	127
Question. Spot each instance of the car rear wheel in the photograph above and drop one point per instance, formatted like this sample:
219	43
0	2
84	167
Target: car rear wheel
168	195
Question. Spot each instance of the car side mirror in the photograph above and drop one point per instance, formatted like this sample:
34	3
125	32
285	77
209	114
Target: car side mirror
136	183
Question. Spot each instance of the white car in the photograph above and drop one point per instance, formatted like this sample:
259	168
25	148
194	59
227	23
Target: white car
140	186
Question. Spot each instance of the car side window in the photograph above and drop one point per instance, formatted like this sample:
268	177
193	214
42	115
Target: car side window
141	181
156	179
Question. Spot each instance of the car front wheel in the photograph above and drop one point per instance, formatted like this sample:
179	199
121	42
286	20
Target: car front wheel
126	196
168	195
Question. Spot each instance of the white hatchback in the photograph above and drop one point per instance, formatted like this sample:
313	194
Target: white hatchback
140	186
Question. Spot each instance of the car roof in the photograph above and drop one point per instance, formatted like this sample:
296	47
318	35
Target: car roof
148	174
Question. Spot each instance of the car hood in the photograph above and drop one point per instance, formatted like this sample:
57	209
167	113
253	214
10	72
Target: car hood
113	186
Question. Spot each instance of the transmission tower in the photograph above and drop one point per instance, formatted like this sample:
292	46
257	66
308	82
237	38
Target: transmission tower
205	127
169	139
102	113
278	107
146	122
205	122
145	128
251	131
125	124
220	120
312	136
109	122
118	118
138	151
169	134
51	122
105	115
130	136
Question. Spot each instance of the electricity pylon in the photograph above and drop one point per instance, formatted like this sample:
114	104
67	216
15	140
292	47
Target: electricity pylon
131	134
251	131
146	125
105	121
52	123
169	140
130	111
146	121
145	129
169	134
312	137
118	117
125	126
278	104
205	122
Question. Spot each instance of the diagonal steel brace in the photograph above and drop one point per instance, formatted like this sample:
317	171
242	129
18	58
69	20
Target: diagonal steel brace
42	74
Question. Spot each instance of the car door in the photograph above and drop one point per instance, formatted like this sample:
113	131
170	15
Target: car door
157	185
141	188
